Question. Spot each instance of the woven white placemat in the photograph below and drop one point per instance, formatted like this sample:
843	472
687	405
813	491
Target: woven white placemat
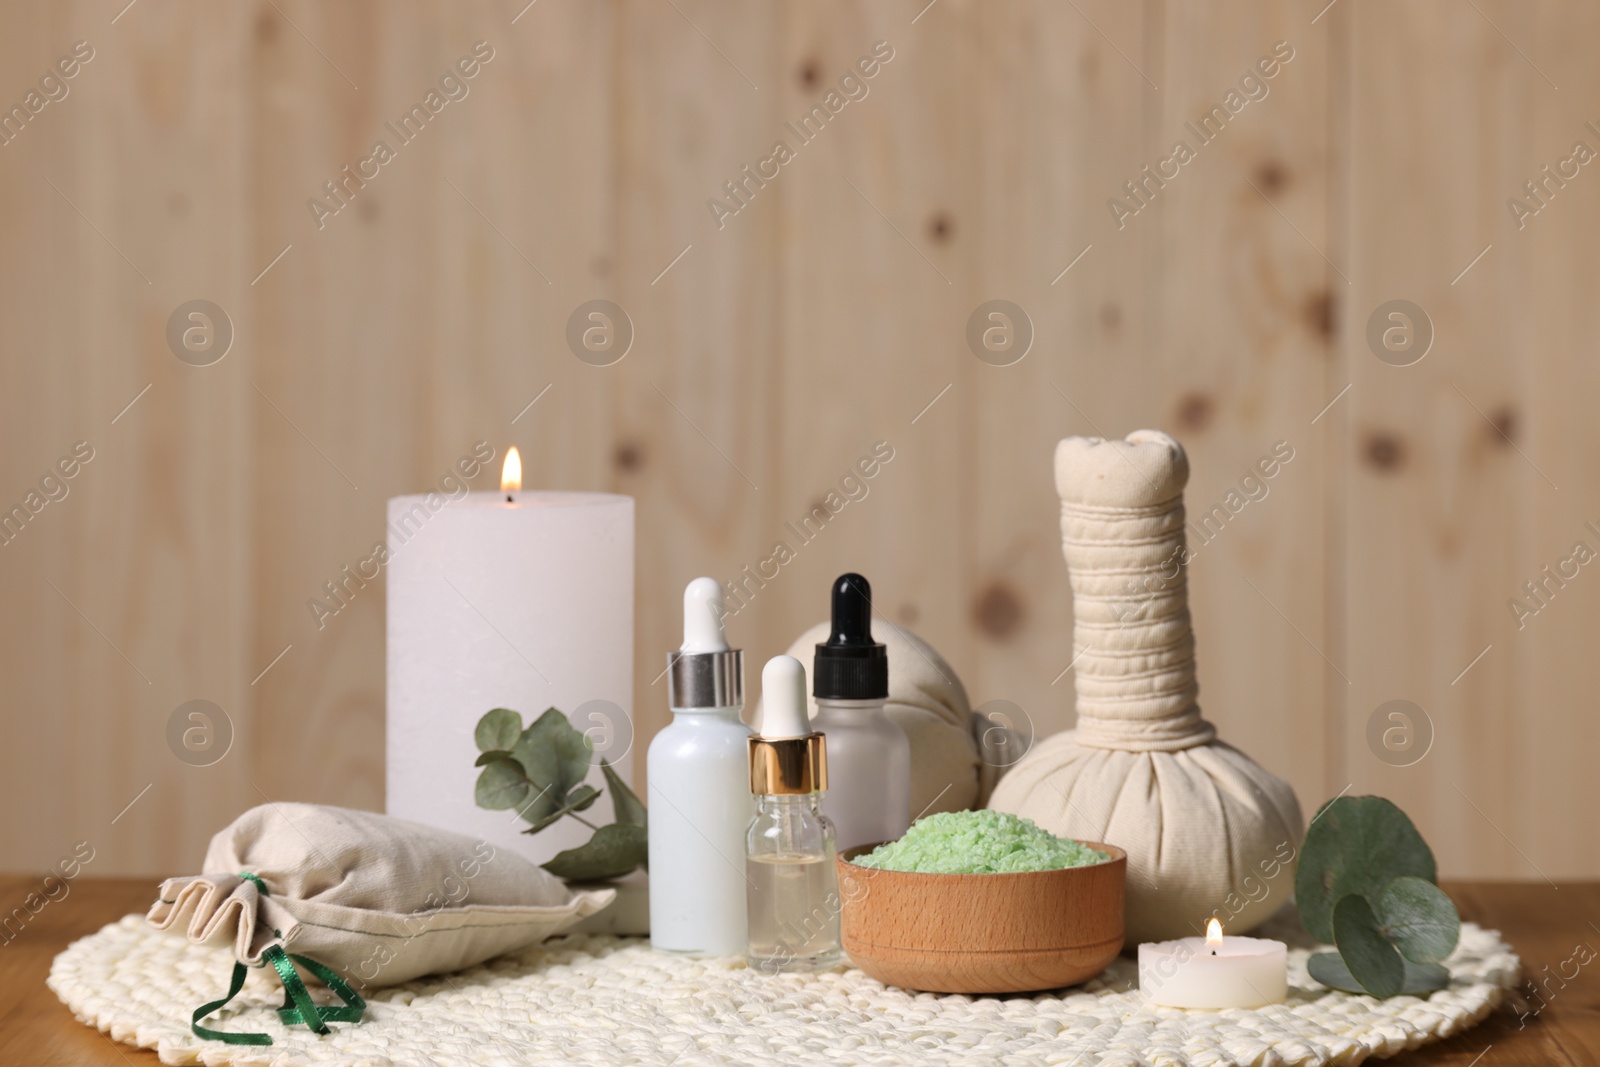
584	999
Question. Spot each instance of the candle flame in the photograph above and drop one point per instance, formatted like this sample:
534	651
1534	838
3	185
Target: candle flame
511	473
1213	932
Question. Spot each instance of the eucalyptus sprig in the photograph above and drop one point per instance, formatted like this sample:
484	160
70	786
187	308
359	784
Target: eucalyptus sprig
539	772
1366	884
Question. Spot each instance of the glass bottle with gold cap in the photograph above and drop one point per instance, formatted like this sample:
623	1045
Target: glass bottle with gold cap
793	888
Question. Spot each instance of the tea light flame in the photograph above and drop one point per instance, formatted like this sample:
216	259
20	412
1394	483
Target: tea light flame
511	473
1213	932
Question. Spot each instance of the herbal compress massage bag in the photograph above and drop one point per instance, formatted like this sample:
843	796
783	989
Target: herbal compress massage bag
361	897
1207	830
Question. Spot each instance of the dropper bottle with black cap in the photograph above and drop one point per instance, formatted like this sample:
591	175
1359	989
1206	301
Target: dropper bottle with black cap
869	758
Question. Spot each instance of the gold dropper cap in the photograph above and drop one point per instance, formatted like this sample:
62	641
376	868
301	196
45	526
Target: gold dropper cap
788	766
787	758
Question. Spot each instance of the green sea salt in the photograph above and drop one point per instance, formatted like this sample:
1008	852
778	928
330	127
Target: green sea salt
978	842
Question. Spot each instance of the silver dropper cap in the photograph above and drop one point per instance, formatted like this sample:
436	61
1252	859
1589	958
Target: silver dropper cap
705	672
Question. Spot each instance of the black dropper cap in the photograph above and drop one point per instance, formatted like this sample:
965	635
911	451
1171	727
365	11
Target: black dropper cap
851	665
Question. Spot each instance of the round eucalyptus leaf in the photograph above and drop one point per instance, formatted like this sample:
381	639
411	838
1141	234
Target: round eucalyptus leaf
1421	978
612	852
555	755
501	785
1372	960
540	816
582	798
1355	845
1424	978
486	758
498	730
543	820
1329	969
1419	919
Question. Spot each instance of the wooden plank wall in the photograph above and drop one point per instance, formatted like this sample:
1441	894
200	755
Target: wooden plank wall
133	593
774	349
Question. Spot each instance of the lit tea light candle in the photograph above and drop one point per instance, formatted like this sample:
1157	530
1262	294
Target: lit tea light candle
1214	972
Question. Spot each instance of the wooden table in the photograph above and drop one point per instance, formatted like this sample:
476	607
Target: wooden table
1545	925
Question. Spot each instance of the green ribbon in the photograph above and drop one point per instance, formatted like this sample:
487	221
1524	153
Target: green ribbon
298	1006
208	1034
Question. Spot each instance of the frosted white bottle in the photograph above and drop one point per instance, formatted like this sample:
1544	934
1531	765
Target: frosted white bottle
700	803
869	758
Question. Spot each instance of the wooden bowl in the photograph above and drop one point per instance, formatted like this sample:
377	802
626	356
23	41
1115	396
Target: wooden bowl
983	933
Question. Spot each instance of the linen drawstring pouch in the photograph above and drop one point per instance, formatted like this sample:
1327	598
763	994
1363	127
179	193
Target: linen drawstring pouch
1208	832
359	900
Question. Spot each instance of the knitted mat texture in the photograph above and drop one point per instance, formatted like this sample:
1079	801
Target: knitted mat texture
582	999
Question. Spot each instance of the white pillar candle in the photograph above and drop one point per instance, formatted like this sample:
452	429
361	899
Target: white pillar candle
1214	971
513	599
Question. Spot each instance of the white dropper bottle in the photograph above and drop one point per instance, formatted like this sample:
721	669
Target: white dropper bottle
700	804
